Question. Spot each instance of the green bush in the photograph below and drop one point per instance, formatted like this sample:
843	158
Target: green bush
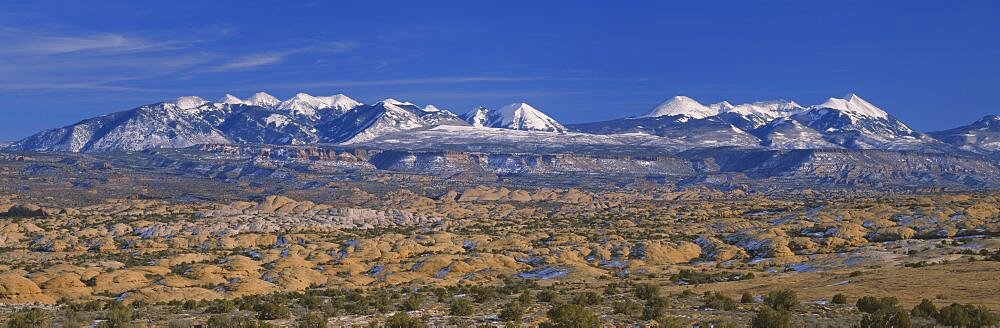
655	308
221	306
768	317
894	318
782	300
547	295
746	298
925	309
118	316
460	306
720	302
957	315
627	307
234	321
312	320
570	316
839	299
871	304
28	318
672	322
413	303
402	320
512	311
271	311
646	291
587	298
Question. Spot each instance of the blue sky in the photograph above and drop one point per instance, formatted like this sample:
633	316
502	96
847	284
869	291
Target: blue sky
933	64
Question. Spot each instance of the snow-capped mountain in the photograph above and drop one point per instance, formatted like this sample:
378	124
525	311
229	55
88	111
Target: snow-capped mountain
853	122
786	133
162	125
516	116
756	114
262	99
677	124
368	122
697	133
436	116
982	136
685	106
310	107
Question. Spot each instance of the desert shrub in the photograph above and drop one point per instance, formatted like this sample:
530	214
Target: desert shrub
547	295
672	322
587	298
402	320
746	298
655	308
460	306
886	318
719	301
512	311
721	323
234	321
118	316
28	318
570	316
627	307
646	291
221	306
525	298
413	303
180	323
768	317
925	309
839	299
312	320
271	311
957	315
782	300
872	304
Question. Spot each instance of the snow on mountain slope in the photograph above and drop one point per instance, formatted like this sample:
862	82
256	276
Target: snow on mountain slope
477	117
262	99
682	105
982	136
853	122
678	123
188	102
252	124
310	107
435	116
163	125
516	116
786	133
366	122
705	132
230	100
486	138
854	104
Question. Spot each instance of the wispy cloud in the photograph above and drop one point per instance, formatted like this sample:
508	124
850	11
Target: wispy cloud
109	42
251	61
430	80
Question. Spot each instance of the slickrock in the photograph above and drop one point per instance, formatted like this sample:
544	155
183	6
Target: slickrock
15	289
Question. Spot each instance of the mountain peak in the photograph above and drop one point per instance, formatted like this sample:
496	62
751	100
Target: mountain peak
395	102
230	100
431	109
262	99
188	102
852	103
682	105
521	116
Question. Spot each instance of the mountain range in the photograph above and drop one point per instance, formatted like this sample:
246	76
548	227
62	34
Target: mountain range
678	124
